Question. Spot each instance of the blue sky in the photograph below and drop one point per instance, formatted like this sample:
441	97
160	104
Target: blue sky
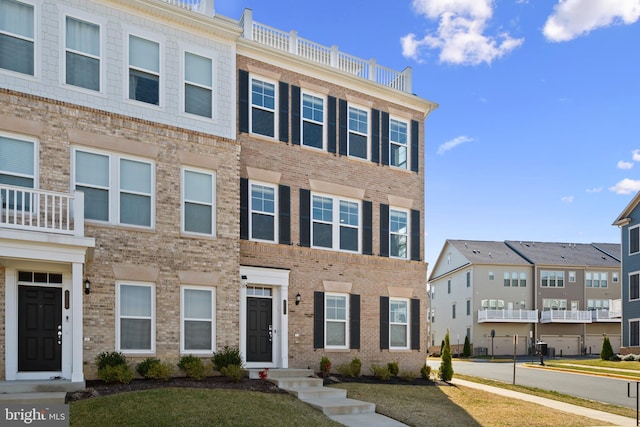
537	133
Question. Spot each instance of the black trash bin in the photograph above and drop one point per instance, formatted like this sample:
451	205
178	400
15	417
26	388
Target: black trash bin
542	349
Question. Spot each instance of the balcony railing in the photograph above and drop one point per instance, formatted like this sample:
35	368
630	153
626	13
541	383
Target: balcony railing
39	210
565	316
606	315
201	6
328	56
509	316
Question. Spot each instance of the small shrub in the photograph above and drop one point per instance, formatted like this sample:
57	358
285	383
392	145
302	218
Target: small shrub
356	367
615	358
407	375
393	368
234	372
446	368
425	372
162	371
143	367
607	351
466	349
629	358
344	369
227	356
325	367
381	372
112	358
192	366
116	374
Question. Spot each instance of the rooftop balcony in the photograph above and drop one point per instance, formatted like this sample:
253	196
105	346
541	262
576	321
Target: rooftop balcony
606	315
507	316
201	6
565	316
43	211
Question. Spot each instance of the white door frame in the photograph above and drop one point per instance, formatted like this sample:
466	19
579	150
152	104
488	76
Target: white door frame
278	280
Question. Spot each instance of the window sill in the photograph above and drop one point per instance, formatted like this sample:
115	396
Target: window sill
187	235
337	350
94	223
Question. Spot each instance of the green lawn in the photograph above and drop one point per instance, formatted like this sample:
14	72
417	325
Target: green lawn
603	367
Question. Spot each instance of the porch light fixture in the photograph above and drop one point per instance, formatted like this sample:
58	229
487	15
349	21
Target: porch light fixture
298	298
87	286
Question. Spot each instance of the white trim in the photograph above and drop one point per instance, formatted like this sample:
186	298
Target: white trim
367	135
206	53
152	286
37	41
407	144
633	273
162	74
276	102
629	321
324	122
183	188
212	291
407	323
36	154
407	234
629	239
347	325
276	213
279	281
335	222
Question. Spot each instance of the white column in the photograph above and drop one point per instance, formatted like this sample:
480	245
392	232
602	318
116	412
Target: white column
77	291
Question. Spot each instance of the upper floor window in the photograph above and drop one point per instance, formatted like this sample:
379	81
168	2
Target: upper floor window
144	70
198	85
82	54
116	189
468	276
335	223
398	233
634	240
135	317
263	204
491	275
312	121
198	320
198	202
398	139
336	321
263	108
554	304
572	277
614	277
634	286
596	280
552	279
398	323
18	159
358	139
17	39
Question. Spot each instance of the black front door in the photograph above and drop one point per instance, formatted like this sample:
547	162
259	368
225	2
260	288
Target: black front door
39	328
259	330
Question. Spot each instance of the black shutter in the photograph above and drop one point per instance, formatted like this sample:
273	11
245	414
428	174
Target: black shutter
295	115
354	322
415	324
384	230
415	145
318	319
385	138
244	208
243	101
305	217
342	140
375	136
415	235
367	228
283	102
284	214
332	126
384	322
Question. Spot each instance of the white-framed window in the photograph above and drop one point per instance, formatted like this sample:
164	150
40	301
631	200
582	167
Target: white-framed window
198	202
335	223
552	279
634	286
615	277
82	53
18	167
634	240
198	328
336	320
358	135
398	233
572	277
597	304
117	189
135	317
492	304
144	70
398	143
263	107
491	275
313	119
17	39
398	323
507	278
554	304
523	279
634	332
596	280
198	85
263	203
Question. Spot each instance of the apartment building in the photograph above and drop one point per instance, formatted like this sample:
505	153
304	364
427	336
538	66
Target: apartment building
151	206
565	295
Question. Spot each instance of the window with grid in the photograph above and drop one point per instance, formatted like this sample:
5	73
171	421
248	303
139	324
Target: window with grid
336	320
263	212
335	223
398	323
398	234
82	53
263	108
398	137
552	279
312	121
358	138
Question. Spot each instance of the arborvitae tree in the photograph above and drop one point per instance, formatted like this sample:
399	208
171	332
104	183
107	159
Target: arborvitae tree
607	351
446	367
466	350
441	347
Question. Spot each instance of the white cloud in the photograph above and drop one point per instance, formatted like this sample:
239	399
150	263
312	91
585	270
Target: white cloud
460	36
635	155
453	143
626	186
595	190
575	18
567	199
625	165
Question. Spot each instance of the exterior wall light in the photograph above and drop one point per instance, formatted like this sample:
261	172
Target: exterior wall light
87	286
298	298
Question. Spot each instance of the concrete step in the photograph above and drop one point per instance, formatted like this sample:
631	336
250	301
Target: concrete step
366	420
291	382
33	386
37	398
304	393
341	406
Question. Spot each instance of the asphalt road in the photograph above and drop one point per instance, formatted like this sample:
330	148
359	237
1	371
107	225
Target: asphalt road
602	389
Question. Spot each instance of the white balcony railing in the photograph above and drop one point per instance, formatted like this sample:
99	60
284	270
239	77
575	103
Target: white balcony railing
565	316
328	56
38	210
201	6
512	316
605	315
